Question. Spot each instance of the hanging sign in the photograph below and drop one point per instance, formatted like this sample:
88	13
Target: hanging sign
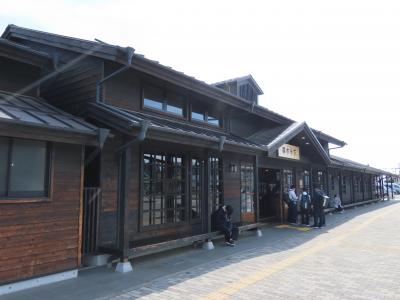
289	151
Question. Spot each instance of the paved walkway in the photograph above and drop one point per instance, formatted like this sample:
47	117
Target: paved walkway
357	256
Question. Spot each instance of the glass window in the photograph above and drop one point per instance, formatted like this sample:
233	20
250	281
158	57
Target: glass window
215	191
174	103
195	188
163	198
23	168
159	99
213	120
153	97
247	187
198	116
203	114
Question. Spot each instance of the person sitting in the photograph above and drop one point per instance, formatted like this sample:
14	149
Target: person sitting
224	223
338	204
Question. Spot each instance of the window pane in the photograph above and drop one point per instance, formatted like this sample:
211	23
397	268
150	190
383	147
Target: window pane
175	103
153	97
28	168
197	116
3	164
153	104
213	120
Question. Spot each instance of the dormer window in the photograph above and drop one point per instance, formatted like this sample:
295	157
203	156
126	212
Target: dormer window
166	101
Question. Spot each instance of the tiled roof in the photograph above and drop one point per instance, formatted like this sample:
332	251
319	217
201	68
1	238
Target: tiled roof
344	162
26	110
162	124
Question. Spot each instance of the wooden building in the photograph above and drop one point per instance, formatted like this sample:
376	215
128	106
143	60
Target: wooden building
178	148
41	174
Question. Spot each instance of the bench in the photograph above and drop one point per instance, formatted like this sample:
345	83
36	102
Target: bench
184	242
350	205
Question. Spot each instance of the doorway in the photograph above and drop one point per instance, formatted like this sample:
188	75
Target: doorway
269	194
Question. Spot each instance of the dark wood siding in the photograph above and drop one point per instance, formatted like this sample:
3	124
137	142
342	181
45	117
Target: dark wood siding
124	89
75	86
42	238
232	182
15	77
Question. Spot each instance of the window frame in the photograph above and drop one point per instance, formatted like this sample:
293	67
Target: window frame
164	102
30	198
163	211
206	114
247	181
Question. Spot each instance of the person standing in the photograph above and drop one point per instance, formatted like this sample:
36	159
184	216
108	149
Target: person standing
305	204
292	215
318	208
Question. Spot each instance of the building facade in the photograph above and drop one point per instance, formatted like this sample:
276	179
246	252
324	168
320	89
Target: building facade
171	151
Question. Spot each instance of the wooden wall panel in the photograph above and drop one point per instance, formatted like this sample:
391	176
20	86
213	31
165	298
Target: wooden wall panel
75	86
15	77
123	90
43	238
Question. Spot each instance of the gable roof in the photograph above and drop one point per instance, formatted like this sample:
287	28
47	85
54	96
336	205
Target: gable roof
272	139
152	67
242	78
24	54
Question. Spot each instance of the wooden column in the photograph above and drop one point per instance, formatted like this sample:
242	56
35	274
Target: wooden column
363	185
391	185
256	191
353	198
207	201
123	203
327	184
340	184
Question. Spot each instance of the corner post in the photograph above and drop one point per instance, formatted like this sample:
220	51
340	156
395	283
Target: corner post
124	265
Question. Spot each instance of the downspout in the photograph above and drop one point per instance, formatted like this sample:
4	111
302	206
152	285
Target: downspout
130	53
221	143
144	126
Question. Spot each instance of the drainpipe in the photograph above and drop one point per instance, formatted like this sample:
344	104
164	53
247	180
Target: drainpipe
144	126
222	140
130	52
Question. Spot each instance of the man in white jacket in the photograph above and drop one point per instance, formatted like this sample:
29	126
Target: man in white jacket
292	214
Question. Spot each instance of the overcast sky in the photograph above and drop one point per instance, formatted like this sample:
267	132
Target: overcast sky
334	64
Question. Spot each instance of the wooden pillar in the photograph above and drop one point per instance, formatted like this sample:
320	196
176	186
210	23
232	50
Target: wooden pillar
256	190
208	201
123	203
340	184
353	198
281	197
387	187
326	185
391	185
363	185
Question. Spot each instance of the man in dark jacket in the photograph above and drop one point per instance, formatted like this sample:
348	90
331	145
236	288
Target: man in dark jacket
224	224
318	208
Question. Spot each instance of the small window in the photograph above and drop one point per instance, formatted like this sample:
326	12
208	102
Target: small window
198	116
158	99
24	168
203	114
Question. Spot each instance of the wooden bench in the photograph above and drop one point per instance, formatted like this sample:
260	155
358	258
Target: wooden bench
184	242
350	205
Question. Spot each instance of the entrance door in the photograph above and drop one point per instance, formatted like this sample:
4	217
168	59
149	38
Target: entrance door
247	200
269	193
